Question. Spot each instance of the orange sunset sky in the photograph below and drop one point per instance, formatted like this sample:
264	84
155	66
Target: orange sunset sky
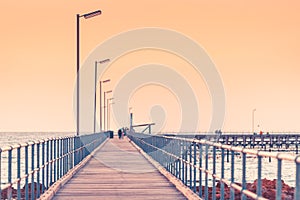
254	44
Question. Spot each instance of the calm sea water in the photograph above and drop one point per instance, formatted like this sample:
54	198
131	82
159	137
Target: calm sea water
269	169
11	138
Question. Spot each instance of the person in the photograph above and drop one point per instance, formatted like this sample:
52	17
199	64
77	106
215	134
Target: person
261	132
120	133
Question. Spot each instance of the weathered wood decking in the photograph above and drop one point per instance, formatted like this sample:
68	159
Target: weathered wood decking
118	171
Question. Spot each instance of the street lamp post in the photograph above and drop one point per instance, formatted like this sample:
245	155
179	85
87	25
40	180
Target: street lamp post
78	16
253	119
95	98
106	92
107	105
130	118
100	86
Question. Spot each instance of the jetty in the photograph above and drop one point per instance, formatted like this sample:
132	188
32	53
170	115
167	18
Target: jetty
117	171
147	166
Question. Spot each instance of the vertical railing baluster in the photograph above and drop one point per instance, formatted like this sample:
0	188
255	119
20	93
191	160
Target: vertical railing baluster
75	153
259	167
9	177
297	184
194	167
0	173
38	166
244	197
200	170
72	155
32	172
190	165
222	172
186	160
214	172
44	167
51	163
206	174
232	193
54	159
69	155
47	163
18	171
61	157
26	172
58	159
278	184
65	156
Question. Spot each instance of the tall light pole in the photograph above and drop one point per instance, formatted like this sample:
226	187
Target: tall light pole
253	119
106	92
130	118
100	86
107	105
78	16
95	97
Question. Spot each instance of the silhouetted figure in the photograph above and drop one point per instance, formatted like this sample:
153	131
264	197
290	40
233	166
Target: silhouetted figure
120	133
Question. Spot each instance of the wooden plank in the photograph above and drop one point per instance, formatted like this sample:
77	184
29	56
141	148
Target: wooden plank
117	171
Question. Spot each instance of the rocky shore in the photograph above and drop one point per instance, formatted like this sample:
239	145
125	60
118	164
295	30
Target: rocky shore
15	192
268	190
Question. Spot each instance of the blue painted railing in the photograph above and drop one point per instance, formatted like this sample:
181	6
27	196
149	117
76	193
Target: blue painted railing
37	165
195	163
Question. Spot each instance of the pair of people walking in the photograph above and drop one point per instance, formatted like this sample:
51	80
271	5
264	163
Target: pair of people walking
120	133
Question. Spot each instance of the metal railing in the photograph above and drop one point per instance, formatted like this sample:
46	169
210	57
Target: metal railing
36	165
201	165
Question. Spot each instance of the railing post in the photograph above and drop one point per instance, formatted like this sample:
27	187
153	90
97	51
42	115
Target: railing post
61	172
214	172
222	173
195	162
232	193
186	161
190	165
32	172
26	172
51	163
58	159
54	159
244	176
43	164
65	155
18	171
297	188
39	168
69	155
9	177
73	154
0	173
278	184
206	175
47	164
259	167
200	170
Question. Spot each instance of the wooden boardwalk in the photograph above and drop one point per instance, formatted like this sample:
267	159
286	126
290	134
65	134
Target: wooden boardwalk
118	171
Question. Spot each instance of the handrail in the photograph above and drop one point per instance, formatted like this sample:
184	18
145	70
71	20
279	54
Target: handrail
187	159
38	164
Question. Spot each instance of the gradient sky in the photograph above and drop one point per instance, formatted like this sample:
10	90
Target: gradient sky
254	44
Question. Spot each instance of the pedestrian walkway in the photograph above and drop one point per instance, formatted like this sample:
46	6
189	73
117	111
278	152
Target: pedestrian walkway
118	171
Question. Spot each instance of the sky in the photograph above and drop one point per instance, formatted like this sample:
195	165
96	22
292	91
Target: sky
254	45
